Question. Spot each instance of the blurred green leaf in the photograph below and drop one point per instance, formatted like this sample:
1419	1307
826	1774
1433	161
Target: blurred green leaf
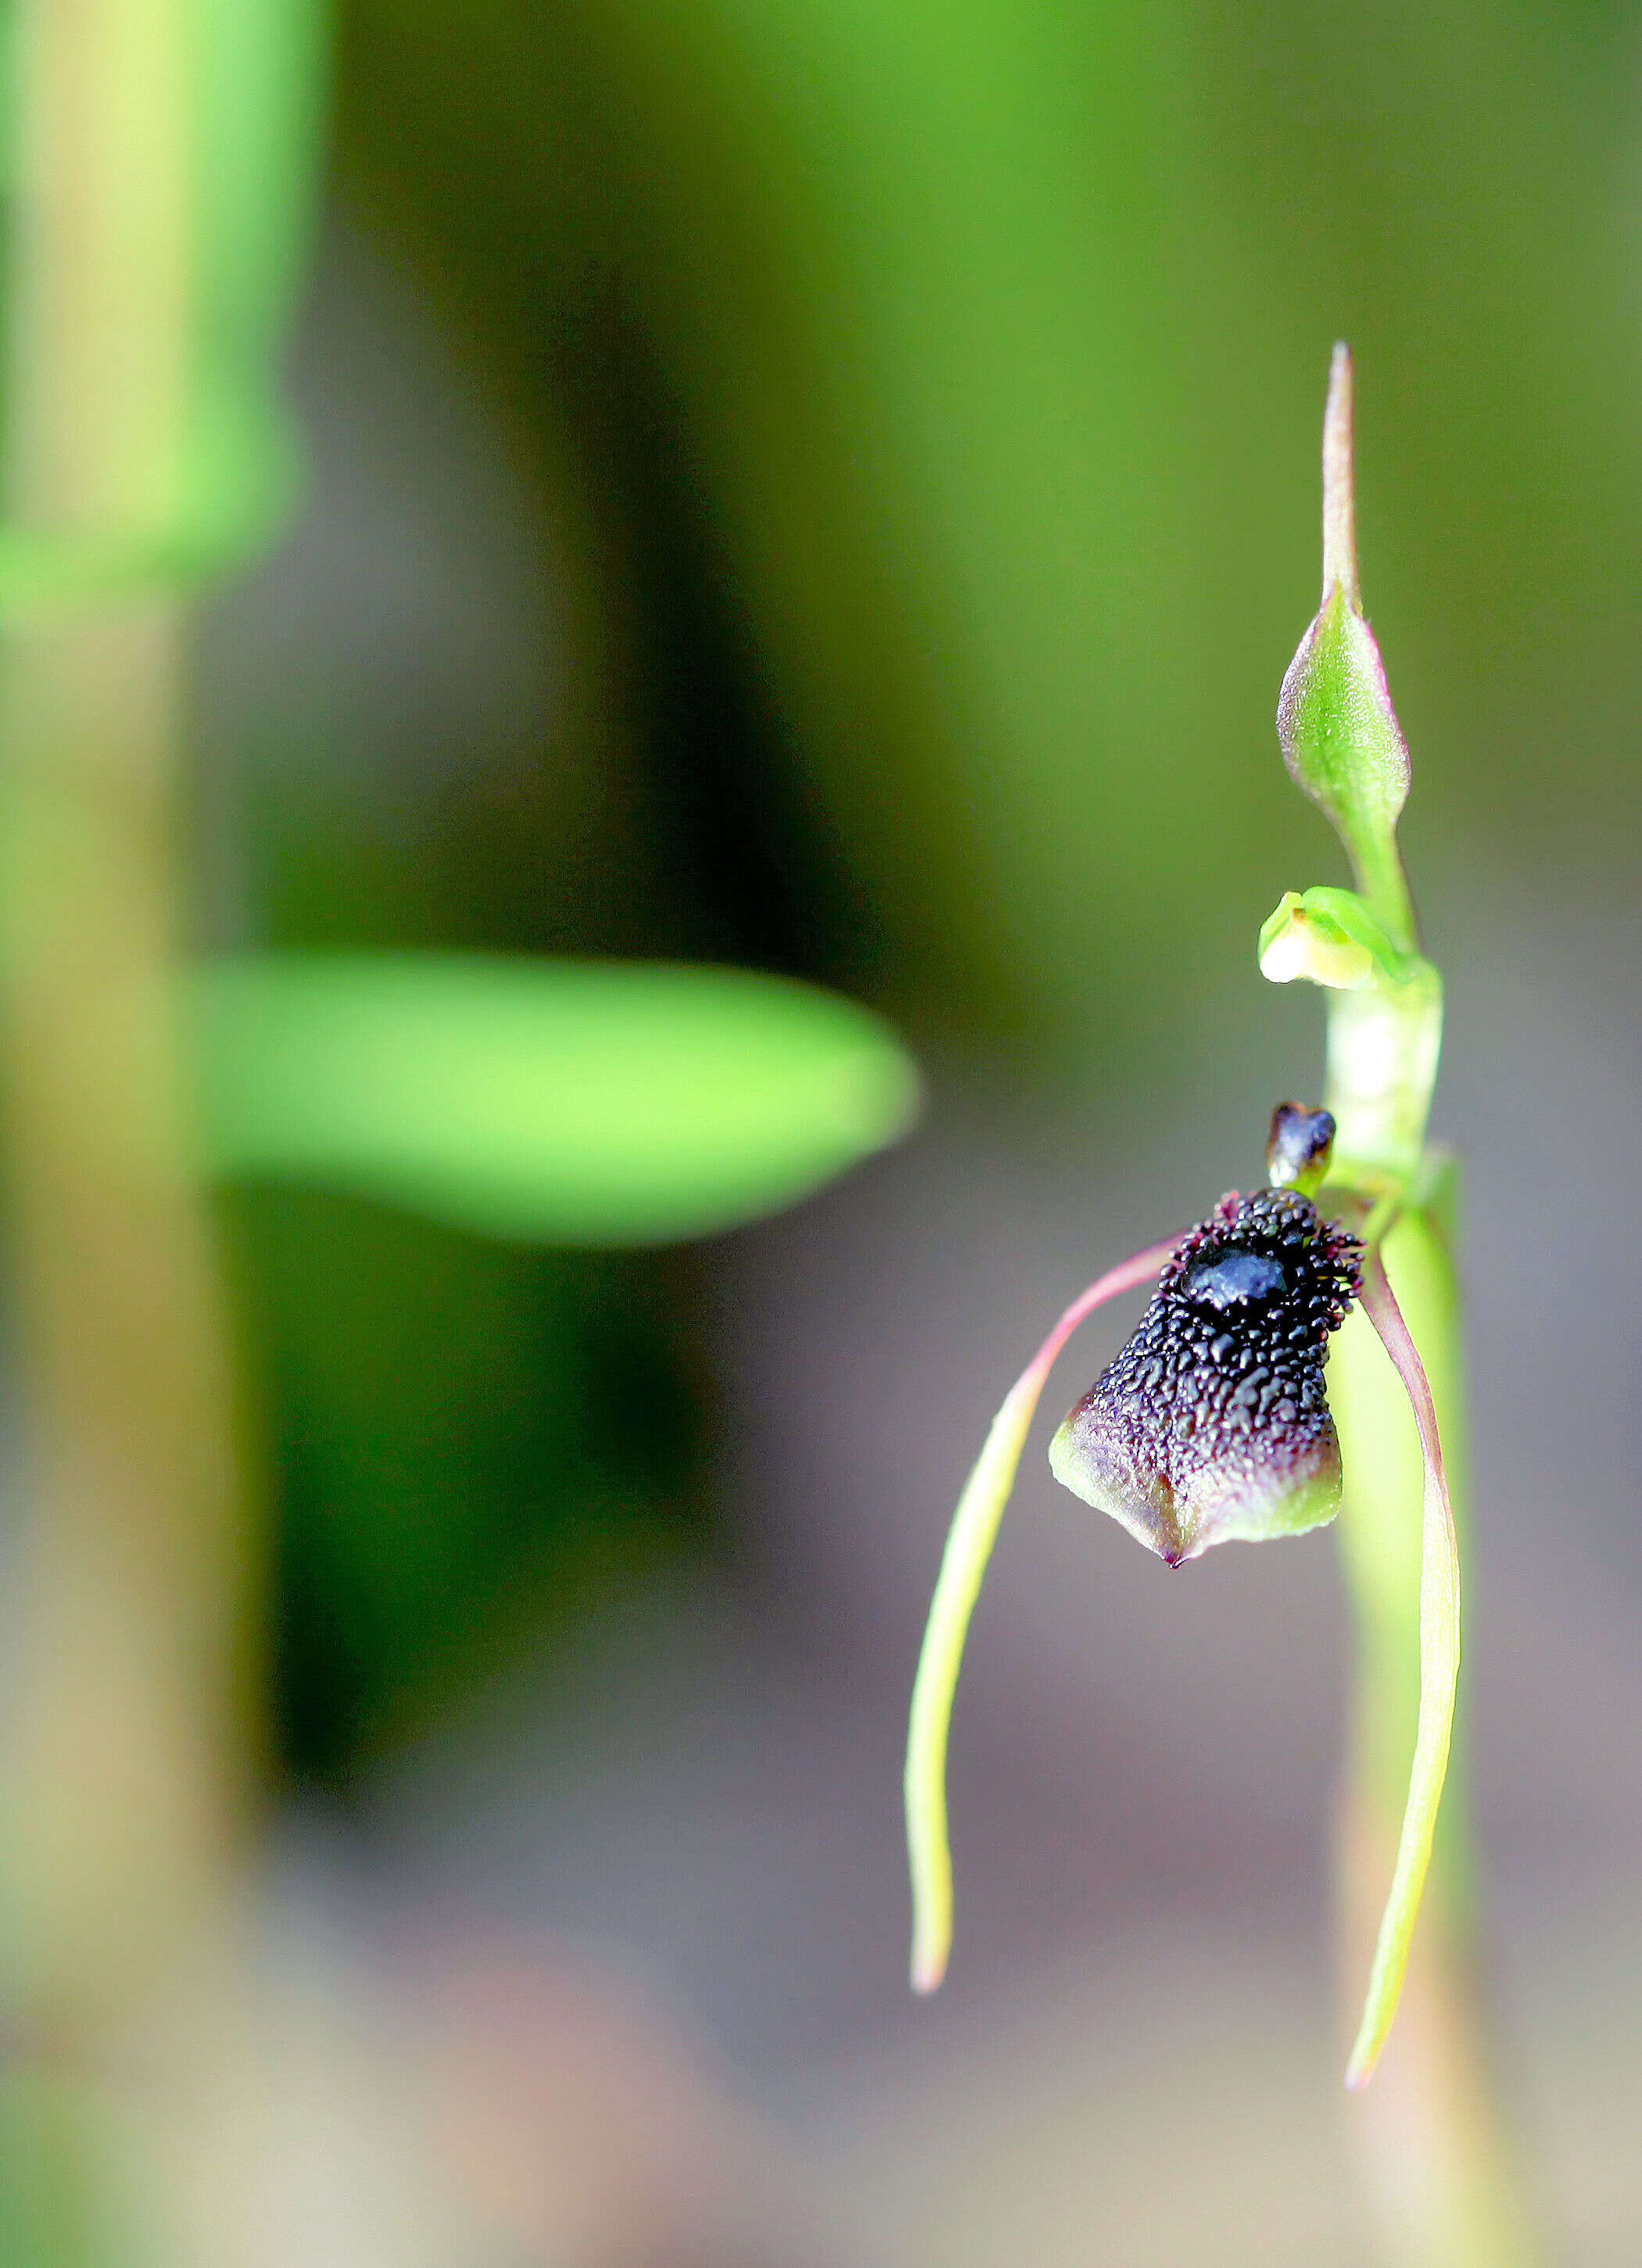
574	1102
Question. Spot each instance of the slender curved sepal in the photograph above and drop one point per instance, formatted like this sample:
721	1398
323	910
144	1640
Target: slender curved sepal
969	1547
1439	1673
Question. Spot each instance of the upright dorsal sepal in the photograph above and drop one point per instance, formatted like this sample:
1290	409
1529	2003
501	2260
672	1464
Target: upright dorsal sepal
1339	732
1339	488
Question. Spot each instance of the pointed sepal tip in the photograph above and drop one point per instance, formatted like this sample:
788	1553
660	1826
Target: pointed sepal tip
1339	487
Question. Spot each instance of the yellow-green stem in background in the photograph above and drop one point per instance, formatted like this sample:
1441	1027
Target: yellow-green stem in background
126	1780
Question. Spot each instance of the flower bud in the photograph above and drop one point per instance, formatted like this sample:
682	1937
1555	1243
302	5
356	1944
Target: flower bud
1212	1423
1339	732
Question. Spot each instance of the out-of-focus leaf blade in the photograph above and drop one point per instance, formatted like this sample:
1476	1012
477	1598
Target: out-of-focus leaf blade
571	1102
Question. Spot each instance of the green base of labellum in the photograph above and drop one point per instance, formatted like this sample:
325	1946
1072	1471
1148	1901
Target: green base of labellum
969	1547
1211	1505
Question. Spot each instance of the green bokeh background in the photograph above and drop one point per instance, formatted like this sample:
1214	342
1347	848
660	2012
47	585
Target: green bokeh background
912	413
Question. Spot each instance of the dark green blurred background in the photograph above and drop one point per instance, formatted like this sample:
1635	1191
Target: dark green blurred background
833	488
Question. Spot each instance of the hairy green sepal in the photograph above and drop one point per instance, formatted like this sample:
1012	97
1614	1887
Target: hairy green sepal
1344	749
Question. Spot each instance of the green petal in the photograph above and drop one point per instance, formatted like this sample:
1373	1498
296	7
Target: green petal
565	1102
1332	937
969	1547
1439	1672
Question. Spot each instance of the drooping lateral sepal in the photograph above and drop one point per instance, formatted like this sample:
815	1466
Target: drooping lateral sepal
1438	1680
970	1542
1212	1424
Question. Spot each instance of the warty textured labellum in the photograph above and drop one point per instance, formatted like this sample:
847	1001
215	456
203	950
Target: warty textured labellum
1212	1423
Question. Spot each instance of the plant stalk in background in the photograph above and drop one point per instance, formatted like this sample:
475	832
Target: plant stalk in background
132	1748
1213	1424
160	161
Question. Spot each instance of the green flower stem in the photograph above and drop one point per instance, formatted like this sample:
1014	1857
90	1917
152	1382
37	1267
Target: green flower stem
1431	2128
129	1764
1385	1032
1385	1037
1383	1045
1377	869
1344	747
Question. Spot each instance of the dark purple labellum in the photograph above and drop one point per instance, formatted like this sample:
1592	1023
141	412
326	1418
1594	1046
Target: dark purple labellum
1212	1421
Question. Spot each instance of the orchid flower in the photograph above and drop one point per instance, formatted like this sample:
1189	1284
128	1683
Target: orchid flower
1213	1425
